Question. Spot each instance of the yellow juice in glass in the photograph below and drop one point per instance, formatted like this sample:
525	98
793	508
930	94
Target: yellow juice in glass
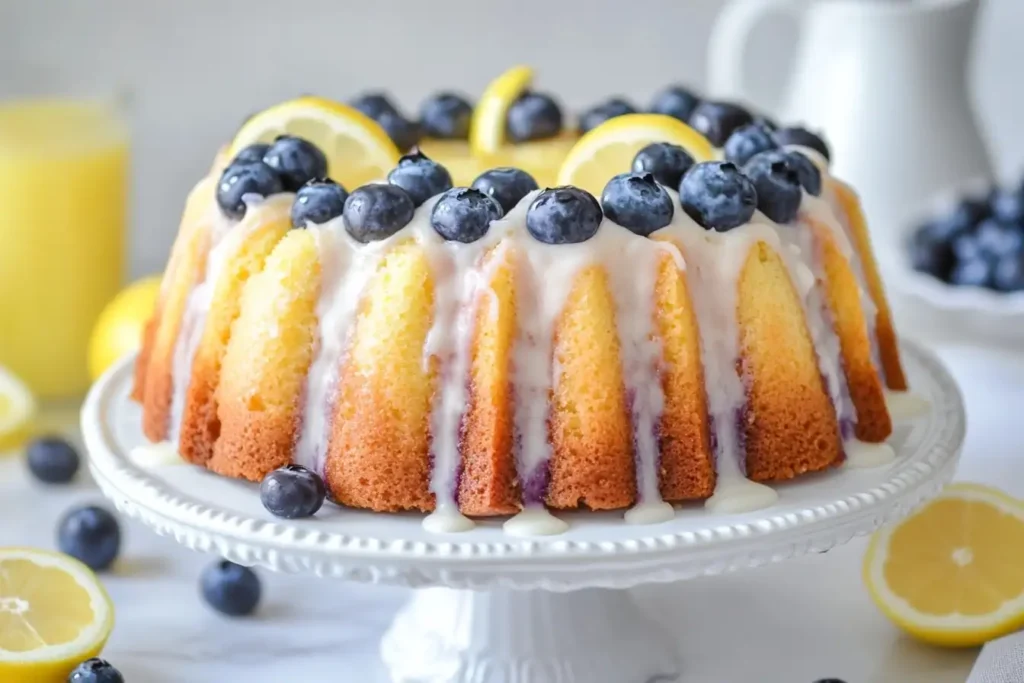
63	203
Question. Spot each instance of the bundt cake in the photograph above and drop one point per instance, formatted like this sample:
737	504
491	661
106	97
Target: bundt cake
697	330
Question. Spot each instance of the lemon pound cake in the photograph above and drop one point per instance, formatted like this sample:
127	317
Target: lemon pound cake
695	324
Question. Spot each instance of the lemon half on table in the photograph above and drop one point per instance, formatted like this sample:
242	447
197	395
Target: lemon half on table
17	407
358	150
54	614
953	573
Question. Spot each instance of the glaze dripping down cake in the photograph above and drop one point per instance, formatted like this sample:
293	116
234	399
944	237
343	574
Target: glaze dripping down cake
692	331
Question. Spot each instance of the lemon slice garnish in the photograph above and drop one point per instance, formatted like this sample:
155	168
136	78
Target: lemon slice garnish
17	406
608	150
53	615
357	148
952	574
487	129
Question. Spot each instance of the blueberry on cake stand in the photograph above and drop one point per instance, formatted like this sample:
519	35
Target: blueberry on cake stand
491	608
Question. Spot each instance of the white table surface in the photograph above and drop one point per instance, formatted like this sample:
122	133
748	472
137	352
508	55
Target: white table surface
789	623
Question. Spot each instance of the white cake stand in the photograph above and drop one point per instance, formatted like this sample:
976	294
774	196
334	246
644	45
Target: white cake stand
496	609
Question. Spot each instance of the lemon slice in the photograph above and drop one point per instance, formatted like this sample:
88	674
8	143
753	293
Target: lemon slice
118	330
953	573
17	406
608	150
358	150
487	129
53	615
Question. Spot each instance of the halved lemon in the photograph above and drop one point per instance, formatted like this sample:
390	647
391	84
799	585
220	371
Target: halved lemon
118	330
608	150
487	129
358	150
953	573
53	615
17	406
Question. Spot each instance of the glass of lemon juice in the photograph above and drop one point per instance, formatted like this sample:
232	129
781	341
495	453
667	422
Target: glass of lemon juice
64	165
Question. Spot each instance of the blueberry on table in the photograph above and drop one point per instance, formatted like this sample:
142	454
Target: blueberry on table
777	183
246	179
464	214
717	195
91	535
810	175
377	211
95	670
296	160
718	120
317	202
598	114
564	215
675	101
746	142
230	588
420	176
665	161
506	185
252	153
534	116
292	492
637	202
447	116
802	137
53	460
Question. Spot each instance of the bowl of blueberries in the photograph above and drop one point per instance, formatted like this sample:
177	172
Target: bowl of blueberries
963	264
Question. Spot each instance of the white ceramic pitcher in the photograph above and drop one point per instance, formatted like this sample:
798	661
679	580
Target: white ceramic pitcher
884	80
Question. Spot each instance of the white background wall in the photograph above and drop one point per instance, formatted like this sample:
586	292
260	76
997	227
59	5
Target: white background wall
196	68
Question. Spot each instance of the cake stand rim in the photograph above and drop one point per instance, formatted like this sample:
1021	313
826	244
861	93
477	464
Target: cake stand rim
653	554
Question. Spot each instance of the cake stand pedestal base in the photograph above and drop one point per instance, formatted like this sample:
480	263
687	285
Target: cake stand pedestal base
501	636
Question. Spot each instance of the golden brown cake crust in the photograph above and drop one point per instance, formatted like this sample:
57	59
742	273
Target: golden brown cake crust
790	423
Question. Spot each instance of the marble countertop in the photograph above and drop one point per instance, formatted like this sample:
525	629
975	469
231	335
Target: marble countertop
795	622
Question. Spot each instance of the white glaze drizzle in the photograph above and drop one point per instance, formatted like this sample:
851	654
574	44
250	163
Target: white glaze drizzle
534	520
906	405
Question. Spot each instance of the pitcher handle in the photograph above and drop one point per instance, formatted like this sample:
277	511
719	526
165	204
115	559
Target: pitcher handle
728	77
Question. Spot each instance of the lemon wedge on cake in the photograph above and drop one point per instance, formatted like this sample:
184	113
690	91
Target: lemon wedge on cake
953	573
487	128
17	406
53	615
608	149
358	150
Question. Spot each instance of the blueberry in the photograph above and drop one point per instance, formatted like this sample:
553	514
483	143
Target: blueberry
717	195
999	239
95	670
506	185
91	535
250	154
777	183
598	114
1009	273
404	133
296	160
230	588
534	116
809	173
446	115
420	176
376	212
1008	206
766	122
747	141
317	202
931	252
464	214
967	247
804	138
563	215
53	460
239	180
830	680
665	161
718	120
974	272
637	202
373	104
292	492
967	213
675	101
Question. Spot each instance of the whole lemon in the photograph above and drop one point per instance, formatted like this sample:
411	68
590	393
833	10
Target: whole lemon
119	328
